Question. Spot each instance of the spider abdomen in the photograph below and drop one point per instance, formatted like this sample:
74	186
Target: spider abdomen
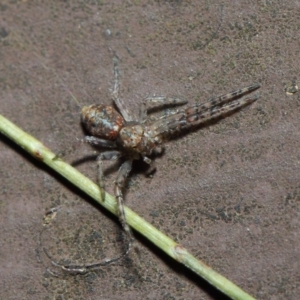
102	121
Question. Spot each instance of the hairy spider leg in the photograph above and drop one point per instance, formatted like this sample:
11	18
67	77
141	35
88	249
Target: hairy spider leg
119	185
107	155
162	101
198	114
115	93
95	141
220	100
83	269
195	117
77	269
92	140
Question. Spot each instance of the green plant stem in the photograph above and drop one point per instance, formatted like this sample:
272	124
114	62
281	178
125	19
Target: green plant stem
170	247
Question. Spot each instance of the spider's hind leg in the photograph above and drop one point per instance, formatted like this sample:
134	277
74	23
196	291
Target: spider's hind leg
119	185
70	268
108	155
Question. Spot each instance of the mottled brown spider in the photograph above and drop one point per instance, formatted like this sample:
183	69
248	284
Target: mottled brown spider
130	139
136	139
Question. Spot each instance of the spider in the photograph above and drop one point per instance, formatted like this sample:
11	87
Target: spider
122	136
131	139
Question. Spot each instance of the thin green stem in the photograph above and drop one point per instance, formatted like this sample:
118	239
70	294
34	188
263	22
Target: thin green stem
173	249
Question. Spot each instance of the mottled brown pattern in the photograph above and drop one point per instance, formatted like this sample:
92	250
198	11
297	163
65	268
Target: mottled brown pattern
102	121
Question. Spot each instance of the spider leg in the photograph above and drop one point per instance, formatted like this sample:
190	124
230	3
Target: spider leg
194	117
198	114
221	100
92	140
72	268
115	93
108	155
147	160
83	269
119	185
158	100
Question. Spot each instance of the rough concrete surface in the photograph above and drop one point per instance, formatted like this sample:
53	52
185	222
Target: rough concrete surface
228	192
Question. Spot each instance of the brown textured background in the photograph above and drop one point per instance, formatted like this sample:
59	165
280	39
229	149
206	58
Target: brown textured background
230	192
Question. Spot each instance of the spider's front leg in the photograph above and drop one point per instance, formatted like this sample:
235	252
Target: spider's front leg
119	185
201	113
108	155
158	100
